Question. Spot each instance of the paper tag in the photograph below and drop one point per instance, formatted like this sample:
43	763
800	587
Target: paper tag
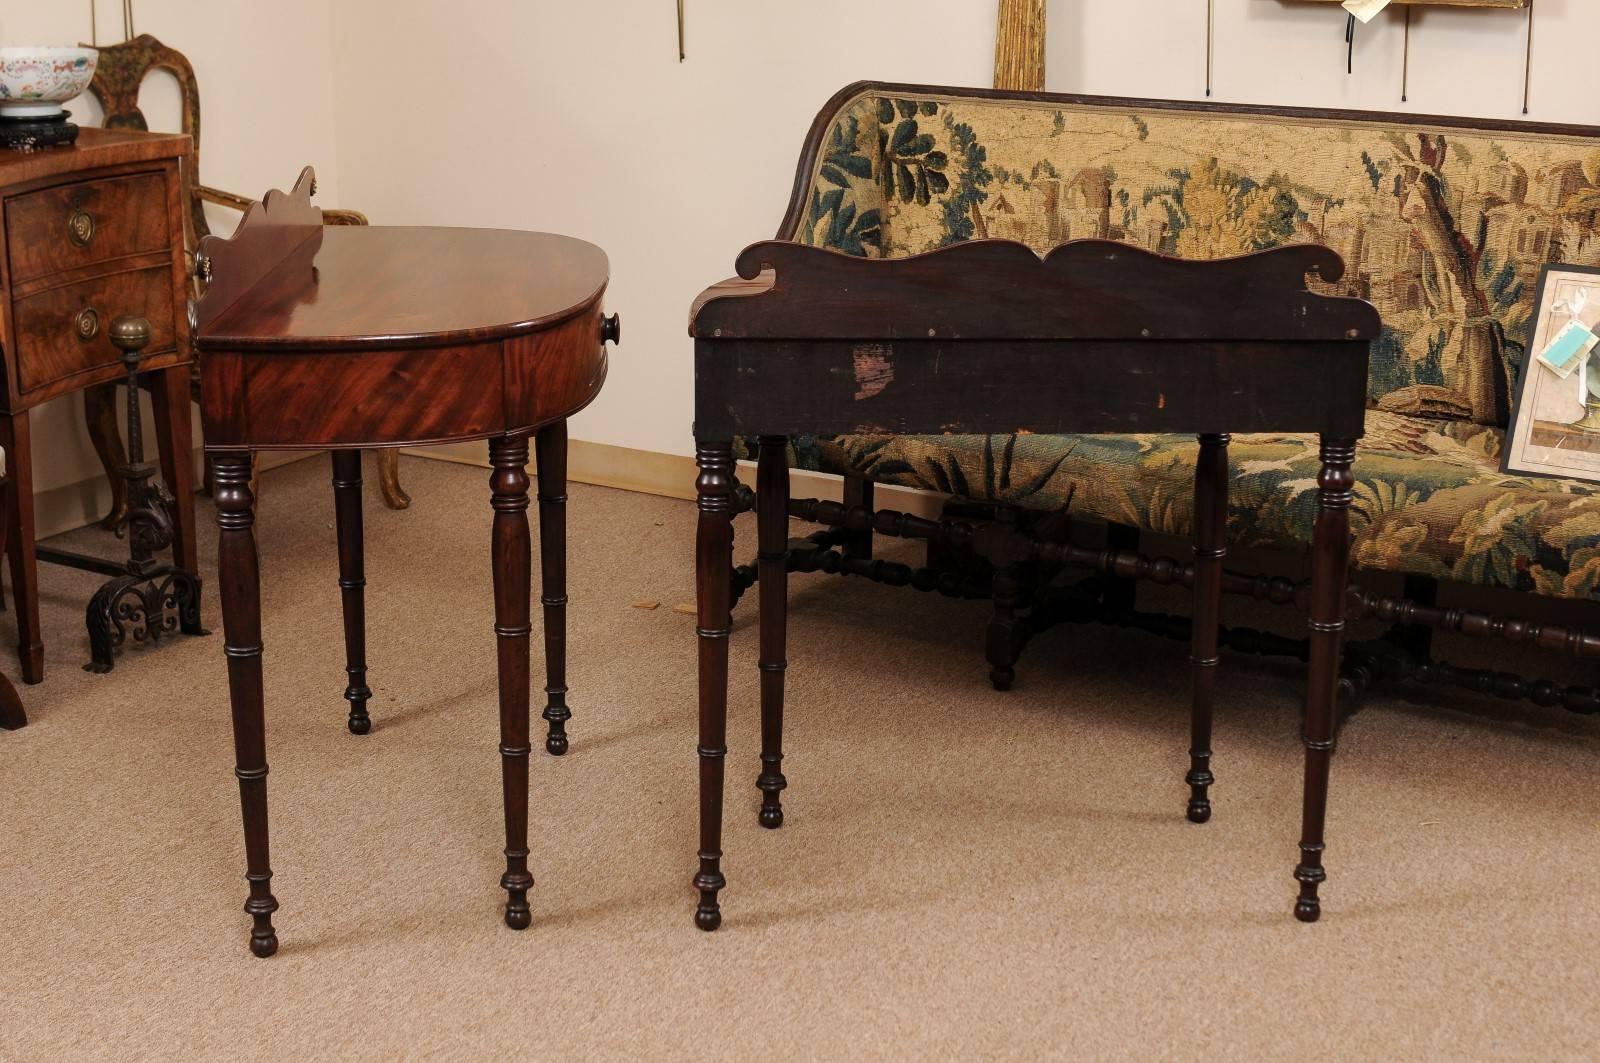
1365	10
1567	351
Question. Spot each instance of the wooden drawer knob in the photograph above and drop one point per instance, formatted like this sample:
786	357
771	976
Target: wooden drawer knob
80	228
611	329
87	324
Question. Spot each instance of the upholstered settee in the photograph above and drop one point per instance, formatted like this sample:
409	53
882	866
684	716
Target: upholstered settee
1444	224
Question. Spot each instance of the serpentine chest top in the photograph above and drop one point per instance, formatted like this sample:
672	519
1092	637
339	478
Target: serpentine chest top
348	337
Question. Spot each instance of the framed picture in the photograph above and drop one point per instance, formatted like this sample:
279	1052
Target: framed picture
1555	417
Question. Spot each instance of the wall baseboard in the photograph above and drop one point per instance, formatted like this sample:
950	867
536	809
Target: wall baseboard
77	505
80	504
673	475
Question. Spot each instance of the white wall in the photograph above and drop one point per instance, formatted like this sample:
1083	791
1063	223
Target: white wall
265	85
577	116
1269	51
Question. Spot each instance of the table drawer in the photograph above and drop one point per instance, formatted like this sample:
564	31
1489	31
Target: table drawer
62	331
80	224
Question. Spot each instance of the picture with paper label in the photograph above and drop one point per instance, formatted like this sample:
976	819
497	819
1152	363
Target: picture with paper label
1555	427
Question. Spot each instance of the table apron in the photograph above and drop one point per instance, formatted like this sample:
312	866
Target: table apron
934	387
387	397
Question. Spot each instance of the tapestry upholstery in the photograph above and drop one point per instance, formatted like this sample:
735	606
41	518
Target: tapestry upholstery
1443	229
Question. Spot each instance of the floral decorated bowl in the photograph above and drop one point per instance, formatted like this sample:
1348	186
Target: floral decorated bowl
34	82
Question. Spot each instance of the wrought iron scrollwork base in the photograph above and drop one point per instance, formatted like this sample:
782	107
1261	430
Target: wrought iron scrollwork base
149	601
144	608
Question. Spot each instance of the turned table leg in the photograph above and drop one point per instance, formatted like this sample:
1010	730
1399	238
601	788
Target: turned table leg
713	597
14	438
550	455
772	533
238	570
12	715
512	548
352	584
1330	557
1210	547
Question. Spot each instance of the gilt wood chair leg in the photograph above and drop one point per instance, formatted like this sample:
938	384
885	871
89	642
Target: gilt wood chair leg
394	496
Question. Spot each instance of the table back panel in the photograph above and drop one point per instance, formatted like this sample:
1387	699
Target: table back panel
986	337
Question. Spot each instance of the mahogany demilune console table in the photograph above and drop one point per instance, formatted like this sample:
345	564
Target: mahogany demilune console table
348	338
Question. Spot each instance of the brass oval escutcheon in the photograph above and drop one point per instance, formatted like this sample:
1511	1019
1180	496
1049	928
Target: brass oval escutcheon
80	228
87	323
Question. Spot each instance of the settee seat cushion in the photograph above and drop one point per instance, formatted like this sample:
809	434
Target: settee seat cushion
1430	498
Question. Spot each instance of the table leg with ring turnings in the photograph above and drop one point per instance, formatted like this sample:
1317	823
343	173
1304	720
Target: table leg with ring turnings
713	598
1330	559
1210	548
239	576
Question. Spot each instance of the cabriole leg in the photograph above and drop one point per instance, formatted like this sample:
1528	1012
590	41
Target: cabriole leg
713	593
394	496
513	576
352	584
238	569
550	453
772	530
1330	556
1210	547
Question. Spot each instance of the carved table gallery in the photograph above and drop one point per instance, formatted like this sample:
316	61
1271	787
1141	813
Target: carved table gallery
985	337
348	338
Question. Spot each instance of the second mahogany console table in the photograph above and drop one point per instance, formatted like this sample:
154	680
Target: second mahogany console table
985	337
347	338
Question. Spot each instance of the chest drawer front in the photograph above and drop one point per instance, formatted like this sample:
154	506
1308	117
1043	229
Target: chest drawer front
80	224
63	331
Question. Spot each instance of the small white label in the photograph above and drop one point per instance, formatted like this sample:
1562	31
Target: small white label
1569	349
1365	10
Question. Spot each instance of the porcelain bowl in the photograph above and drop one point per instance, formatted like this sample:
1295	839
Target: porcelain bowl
34	82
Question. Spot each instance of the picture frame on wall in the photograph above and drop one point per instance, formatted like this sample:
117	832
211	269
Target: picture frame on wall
1555	414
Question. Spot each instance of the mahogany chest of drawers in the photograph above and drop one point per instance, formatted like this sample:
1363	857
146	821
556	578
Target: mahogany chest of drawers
91	232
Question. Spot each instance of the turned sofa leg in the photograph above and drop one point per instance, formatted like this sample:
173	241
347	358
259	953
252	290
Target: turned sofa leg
858	492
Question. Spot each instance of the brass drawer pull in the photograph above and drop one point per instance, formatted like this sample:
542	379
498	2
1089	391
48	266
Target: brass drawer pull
80	228
87	324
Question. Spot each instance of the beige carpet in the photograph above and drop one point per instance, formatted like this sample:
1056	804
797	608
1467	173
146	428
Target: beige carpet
964	874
